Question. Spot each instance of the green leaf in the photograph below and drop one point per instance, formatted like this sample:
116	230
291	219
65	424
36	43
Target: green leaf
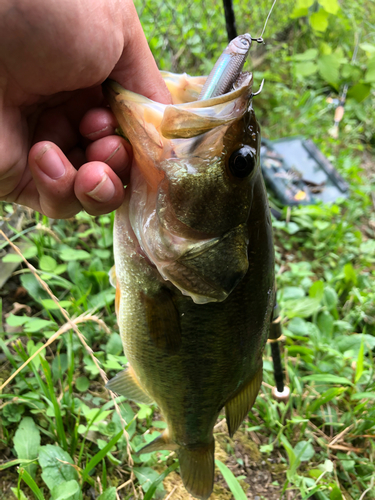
52	306
317	290
159	480
231	481
26	442
299	12
304	451
146	476
363	395
302	308
304	3
359	368
359	92
55	471
37	324
305	68
114	345
335	492
370	73
33	287
13	412
13	320
68	254
109	494
308	55
298	326
47	264
319	20
292	292
350	274
330	298
368	47
144	411
12	257
68	489
326	378
325	323
82	384
329	68
19	494
331	6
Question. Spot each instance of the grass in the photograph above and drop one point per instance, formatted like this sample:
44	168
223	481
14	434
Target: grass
63	436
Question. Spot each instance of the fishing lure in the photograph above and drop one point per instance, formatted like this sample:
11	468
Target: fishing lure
228	67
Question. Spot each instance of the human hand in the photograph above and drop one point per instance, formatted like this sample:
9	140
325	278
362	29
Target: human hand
53	57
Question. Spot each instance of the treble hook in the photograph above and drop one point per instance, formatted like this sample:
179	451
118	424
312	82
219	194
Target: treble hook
260	89
258	40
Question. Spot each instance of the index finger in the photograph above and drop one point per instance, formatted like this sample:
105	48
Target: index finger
136	69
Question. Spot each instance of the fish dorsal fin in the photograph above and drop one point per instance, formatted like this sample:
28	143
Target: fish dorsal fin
126	384
162	442
163	320
197	467
238	407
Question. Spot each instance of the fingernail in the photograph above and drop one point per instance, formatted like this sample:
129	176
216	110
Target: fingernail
93	135
50	163
104	191
112	154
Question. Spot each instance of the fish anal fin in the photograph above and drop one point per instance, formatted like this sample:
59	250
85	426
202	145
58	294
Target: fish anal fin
239	405
163	321
162	442
197	466
126	384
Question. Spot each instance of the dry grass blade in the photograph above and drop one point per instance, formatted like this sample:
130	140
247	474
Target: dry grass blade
72	325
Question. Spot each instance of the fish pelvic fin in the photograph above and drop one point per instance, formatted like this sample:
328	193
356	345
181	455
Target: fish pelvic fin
238	407
126	384
197	466
162	442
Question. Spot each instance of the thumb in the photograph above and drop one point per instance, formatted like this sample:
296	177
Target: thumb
136	69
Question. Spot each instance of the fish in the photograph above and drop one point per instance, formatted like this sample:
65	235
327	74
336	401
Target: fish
194	264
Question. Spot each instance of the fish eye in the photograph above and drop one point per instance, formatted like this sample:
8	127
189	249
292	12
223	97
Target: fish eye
242	162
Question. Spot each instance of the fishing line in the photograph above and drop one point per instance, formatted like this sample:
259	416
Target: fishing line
265	24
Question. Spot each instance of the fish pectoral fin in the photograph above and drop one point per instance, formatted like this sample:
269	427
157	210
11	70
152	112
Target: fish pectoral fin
162	442
126	384
163	321
238	407
197	466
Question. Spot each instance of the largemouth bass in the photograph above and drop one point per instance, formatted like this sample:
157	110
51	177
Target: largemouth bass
194	264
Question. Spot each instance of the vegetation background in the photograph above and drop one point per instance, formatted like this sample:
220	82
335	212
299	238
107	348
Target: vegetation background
61	434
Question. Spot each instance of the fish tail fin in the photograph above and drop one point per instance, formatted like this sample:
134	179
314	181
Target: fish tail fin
162	442
197	466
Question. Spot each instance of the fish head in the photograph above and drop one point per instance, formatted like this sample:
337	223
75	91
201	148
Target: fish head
195	167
